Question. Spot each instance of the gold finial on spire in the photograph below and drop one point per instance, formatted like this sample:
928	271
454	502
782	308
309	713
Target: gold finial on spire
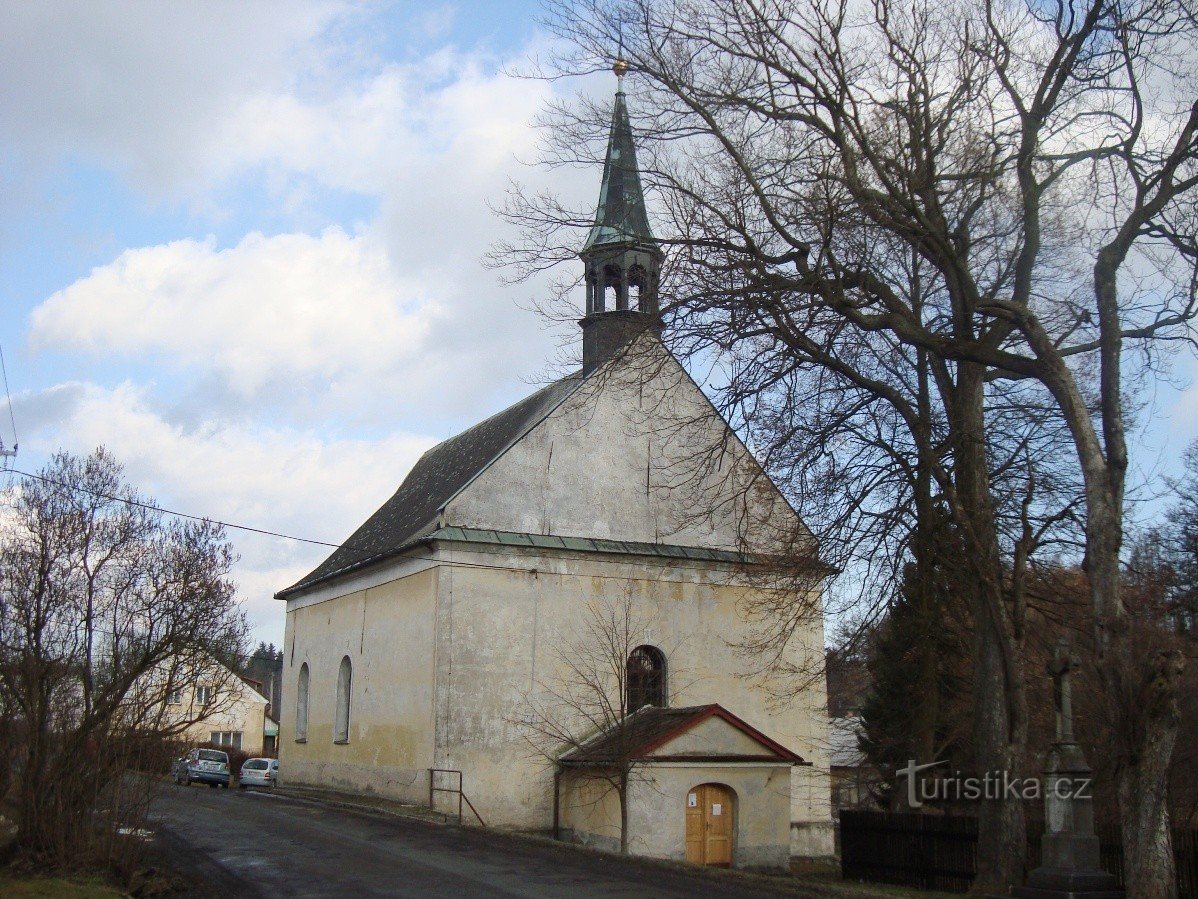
620	67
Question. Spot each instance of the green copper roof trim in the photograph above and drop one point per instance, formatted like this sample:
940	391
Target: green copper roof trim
589	544
621	215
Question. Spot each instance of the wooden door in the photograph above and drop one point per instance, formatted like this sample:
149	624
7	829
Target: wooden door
709	825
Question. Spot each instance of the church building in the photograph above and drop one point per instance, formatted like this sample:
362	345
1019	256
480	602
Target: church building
462	637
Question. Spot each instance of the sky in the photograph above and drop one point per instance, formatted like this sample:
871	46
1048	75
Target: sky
242	248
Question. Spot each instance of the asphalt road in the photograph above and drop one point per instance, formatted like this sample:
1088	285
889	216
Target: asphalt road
250	844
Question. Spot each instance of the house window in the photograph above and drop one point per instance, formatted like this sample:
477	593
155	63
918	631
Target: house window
301	705
204	695
646	678
344	686
231	738
174	697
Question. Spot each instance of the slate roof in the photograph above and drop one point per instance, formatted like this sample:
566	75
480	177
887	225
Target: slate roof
411	513
650	728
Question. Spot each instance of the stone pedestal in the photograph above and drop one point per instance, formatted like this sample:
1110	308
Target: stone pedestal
1070	863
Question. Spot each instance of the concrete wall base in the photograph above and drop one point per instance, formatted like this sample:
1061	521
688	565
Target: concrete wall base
812	839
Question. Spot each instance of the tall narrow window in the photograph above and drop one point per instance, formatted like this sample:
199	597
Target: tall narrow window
344	685
646	678
301	704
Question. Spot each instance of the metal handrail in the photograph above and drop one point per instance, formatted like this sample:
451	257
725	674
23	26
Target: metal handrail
462	797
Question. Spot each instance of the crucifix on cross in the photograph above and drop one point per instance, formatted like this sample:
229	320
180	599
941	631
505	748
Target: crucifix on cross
1063	662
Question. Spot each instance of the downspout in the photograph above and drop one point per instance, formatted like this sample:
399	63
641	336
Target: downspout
557	793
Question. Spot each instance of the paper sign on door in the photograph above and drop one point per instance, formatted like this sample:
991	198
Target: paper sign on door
716	809
692	801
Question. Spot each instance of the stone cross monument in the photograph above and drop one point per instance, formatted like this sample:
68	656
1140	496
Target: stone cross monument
1069	857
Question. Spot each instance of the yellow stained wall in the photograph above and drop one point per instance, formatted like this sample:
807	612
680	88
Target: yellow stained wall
715	735
502	629
387	633
239	709
247	717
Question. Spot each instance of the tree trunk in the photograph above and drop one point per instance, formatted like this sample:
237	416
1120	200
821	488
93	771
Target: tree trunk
1142	773
1000	720
927	689
1146	719
1002	829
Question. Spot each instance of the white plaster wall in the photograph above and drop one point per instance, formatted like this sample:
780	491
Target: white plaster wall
623	458
387	632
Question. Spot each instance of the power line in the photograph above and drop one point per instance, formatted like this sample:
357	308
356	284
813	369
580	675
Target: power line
154	508
5	453
243	527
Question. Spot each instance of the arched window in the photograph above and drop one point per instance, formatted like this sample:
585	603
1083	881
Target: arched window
301	704
646	678
344	684
638	288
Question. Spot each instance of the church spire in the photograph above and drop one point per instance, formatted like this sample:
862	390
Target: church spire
621	257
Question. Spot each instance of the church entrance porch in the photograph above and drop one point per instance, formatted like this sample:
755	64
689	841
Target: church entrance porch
710	825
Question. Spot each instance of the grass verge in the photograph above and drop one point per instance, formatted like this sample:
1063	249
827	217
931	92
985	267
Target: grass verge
30	886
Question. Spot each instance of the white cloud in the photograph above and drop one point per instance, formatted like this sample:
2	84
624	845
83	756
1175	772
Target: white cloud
435	140
265	311
389	326
276	479
145	85
402	308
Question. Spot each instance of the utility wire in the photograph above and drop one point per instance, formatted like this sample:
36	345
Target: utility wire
8	397
242	527
154	508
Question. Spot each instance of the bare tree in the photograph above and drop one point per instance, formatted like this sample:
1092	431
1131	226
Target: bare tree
856	431
106	609
1041	161
595	693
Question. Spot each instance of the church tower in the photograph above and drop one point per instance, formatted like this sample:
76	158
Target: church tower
621	257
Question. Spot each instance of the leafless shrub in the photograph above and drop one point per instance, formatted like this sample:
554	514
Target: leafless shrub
107	608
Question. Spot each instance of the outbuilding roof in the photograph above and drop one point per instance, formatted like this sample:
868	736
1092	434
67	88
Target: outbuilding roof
651	728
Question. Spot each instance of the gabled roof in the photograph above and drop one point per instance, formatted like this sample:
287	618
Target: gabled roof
440	474
621	216
651	728
844	742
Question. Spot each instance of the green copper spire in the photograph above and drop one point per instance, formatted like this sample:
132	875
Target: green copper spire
621	214
622	260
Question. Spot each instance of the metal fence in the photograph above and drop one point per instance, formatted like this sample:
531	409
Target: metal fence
939	852
932	852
